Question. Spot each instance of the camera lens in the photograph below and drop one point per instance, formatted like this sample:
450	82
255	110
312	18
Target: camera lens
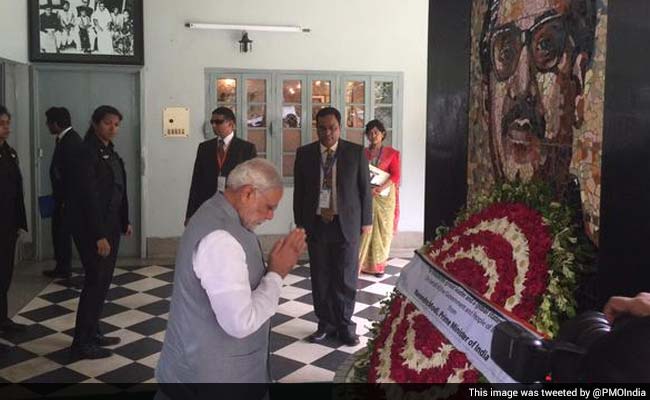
585	329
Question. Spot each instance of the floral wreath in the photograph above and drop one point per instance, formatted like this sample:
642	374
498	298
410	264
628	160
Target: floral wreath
517	247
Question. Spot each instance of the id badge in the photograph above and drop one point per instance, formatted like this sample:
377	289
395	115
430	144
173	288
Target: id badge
324	200
221	184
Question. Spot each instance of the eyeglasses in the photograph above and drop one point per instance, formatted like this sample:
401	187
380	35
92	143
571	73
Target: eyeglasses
545	40
217	121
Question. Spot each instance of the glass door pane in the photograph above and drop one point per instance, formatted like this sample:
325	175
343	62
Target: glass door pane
383	92
355	110
256	114
227	93
292	122
383	109
321	97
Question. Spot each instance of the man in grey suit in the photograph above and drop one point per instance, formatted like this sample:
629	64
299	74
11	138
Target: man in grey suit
332	201
224	294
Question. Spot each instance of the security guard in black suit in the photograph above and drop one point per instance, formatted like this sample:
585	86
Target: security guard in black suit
215	158
101	217
12	215
66	150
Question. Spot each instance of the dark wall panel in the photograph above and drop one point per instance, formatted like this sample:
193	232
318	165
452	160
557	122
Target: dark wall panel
447	111
625	206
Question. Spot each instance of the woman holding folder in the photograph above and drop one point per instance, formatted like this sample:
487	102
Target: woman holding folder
385	175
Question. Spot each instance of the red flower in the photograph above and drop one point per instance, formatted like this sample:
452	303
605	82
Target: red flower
428	340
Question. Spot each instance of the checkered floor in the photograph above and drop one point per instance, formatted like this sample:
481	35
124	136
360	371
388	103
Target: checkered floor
137	311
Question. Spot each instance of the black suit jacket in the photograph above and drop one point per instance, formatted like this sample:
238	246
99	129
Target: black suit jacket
206	169
62	168
354	198
12	200
93	187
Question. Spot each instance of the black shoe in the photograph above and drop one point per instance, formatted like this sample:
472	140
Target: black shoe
10	326
104	341
349	339
317	336
56	274
89	351
379	274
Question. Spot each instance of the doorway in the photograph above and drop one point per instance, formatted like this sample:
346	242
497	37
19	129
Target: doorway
81	91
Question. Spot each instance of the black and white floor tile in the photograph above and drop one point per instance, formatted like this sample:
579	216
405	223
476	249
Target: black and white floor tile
137	311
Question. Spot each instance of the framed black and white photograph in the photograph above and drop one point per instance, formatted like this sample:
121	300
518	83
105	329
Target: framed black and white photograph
86	31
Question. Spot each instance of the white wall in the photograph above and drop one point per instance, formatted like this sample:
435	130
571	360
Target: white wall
13	39
347	35
359	35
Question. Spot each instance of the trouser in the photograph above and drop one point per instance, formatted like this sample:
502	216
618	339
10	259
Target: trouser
99	274
61	239
333	267
8	240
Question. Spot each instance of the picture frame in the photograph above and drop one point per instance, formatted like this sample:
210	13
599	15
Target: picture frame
86	31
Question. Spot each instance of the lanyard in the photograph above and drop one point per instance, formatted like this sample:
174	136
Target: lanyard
327	167
220	161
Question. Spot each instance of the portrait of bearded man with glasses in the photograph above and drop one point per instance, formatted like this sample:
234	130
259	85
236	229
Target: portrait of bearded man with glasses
534	57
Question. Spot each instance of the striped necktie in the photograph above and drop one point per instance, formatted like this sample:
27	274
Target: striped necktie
327	213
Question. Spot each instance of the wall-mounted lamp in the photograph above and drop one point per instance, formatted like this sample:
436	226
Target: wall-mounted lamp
245	44
267	28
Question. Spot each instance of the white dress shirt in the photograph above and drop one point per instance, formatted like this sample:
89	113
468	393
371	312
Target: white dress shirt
227	140
219	262
323	152
63	132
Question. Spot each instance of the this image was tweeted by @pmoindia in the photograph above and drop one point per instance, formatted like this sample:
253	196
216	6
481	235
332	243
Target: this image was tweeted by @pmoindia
582	392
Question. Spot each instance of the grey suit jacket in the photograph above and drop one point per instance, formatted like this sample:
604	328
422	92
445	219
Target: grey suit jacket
354	198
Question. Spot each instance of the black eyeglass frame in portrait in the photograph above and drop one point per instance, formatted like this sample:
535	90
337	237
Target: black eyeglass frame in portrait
527	38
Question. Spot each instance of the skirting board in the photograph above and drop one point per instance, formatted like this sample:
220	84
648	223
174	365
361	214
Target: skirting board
24	251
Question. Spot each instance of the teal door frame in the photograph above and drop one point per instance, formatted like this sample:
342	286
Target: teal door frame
35	70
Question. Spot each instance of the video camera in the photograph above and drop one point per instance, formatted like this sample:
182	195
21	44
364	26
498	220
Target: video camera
587	349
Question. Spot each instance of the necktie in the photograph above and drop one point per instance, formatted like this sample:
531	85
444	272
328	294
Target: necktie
56	146
221	152
327	213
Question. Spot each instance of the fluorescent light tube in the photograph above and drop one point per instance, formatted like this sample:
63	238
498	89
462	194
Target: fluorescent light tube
267	28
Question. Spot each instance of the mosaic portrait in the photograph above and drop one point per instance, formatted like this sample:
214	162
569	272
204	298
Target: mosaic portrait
537	97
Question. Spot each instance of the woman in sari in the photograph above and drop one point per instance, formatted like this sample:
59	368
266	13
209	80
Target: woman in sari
375	245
